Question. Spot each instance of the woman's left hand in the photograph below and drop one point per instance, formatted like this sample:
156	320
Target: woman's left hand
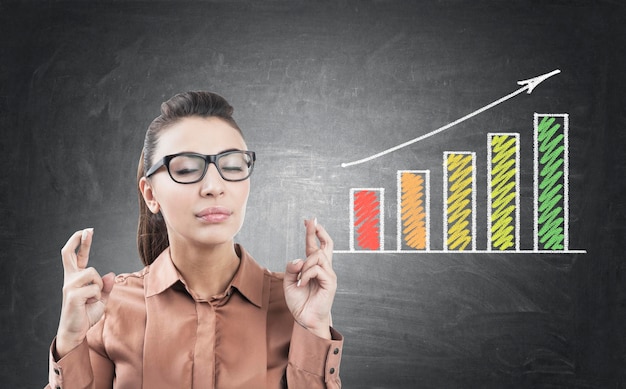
310	285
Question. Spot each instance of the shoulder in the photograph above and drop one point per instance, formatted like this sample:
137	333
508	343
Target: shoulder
254	278
123	324
276	299
274	277
131	280
128	288
126	304
125	278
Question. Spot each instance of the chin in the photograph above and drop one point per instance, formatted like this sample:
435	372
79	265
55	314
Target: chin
212	238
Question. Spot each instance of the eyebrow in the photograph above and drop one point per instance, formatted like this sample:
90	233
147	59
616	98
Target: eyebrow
195	152
225	151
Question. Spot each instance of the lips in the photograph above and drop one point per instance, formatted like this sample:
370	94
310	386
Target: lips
214	214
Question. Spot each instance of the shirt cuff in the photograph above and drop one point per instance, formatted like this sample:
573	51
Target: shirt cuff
74	368
316	355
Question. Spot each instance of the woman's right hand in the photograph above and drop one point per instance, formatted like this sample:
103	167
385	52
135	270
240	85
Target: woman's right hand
84	293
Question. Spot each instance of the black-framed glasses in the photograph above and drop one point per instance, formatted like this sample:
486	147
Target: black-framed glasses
189	168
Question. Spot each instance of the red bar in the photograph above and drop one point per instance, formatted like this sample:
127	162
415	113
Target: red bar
367	219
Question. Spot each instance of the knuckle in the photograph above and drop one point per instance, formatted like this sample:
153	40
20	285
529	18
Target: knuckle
65	250
91	271
69	292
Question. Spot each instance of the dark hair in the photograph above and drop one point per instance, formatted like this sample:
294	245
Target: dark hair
151	231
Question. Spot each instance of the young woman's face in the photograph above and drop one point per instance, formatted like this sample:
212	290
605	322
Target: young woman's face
208	212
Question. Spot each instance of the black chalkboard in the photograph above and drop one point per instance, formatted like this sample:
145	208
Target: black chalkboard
315	85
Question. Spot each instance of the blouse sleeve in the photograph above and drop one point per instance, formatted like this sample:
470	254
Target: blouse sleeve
313	361
84	367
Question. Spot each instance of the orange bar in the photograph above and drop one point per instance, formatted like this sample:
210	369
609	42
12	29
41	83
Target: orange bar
412	210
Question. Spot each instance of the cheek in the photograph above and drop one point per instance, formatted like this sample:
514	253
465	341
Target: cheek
173	200
245	193
242	194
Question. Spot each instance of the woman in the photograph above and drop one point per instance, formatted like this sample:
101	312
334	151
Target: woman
202	313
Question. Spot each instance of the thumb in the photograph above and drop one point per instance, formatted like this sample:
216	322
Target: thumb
108	280
294	267
292	272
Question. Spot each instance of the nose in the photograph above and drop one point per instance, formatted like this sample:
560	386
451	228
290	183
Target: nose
212	183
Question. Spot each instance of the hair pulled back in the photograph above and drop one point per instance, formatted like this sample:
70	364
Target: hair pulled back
152	237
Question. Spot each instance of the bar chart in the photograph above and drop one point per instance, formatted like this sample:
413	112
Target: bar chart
458	203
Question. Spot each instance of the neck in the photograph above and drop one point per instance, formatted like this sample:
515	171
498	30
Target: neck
207	271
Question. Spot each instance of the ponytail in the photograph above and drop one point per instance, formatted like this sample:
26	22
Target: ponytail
151	230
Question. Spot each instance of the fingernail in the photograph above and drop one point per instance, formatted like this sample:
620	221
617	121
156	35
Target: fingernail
315	222
85	232
295	261
299	282
299	276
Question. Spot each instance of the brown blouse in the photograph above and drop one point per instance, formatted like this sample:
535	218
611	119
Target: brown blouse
155	334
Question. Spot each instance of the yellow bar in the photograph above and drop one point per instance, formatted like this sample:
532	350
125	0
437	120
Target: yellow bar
503	191
459	202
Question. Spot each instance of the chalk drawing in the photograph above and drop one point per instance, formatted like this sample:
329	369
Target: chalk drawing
459	198
414	209
367	219
551	181
529	86
503	188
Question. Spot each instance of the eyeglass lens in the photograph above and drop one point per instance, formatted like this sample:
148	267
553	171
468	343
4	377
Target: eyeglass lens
232	166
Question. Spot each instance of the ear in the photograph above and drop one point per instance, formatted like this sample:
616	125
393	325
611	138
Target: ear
146	189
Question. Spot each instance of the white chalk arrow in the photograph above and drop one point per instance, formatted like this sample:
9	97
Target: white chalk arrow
528	85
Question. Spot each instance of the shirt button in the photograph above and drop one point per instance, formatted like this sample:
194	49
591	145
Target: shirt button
336	351
332	370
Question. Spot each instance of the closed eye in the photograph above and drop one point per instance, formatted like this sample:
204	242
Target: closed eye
183	172
232	168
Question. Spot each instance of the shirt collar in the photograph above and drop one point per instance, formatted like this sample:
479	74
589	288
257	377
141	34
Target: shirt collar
248	279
